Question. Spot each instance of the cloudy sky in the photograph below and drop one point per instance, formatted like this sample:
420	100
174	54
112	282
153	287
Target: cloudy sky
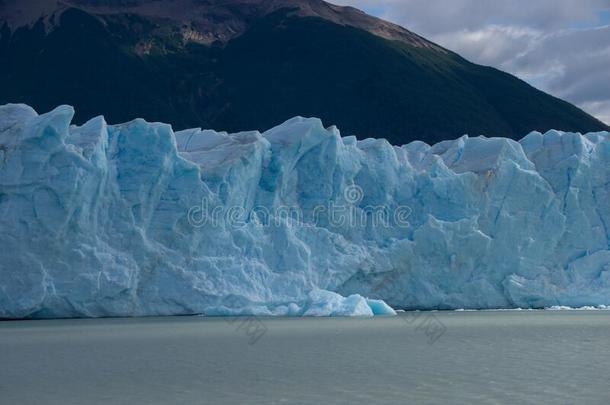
559	46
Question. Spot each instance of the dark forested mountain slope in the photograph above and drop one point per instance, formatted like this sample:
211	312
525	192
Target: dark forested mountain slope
251	64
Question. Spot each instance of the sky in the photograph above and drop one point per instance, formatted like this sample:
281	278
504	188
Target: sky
559	46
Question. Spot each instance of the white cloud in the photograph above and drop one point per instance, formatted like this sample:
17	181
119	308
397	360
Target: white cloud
598	109
559	46
492	45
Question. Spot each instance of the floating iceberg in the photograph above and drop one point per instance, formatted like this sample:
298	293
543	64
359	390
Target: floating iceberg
317	303
134	219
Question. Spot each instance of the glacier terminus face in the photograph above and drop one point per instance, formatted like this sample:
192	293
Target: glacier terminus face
136	219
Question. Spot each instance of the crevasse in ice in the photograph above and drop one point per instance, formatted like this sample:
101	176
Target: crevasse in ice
134	219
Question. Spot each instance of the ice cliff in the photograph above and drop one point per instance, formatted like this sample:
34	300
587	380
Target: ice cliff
134	219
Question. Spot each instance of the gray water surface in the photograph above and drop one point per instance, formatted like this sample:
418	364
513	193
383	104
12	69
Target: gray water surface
525	357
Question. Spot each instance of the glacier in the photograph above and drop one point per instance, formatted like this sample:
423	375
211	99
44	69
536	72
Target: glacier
136	219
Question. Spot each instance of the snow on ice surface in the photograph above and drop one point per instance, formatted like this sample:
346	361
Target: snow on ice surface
134	219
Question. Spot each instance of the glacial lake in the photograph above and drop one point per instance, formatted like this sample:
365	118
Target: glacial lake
502	357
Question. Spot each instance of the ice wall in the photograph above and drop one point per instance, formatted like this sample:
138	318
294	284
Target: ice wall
134	219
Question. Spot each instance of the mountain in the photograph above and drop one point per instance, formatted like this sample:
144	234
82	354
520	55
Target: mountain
251	64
